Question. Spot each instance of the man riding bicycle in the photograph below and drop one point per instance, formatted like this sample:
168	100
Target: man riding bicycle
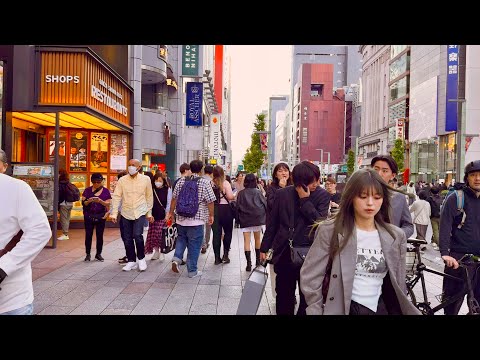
460	233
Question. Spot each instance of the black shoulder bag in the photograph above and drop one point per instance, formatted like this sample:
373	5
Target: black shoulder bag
297	253
233	207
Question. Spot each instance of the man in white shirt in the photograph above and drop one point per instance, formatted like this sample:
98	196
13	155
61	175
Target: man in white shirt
20	210
135	193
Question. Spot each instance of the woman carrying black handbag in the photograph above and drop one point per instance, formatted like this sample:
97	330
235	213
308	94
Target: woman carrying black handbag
252	208
308	203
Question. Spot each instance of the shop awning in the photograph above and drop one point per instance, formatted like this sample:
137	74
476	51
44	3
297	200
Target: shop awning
76	120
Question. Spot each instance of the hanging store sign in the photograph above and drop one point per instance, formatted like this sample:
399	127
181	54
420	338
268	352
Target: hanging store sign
452	88
190	60
194	96
215	136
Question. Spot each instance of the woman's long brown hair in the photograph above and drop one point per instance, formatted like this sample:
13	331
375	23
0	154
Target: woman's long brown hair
364	180
218	177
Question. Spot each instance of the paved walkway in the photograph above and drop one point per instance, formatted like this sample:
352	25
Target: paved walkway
65	284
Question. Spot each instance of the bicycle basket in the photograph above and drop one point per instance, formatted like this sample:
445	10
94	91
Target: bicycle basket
411	261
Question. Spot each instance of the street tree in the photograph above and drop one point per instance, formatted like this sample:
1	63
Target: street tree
351	162
254	158
398	154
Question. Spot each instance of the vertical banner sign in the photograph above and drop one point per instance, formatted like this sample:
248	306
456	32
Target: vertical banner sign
190	60
452	88
400	129
194	103
263	143
214	136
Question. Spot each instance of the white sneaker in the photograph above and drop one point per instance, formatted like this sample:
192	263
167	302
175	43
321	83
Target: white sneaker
130	266
142	265
63	237
156	255
435	246
199	273
162	257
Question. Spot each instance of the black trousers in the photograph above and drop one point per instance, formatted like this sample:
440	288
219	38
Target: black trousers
100	228
288	275
133	238
223	220
359	309
452	287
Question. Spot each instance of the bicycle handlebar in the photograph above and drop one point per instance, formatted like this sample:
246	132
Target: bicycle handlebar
467	259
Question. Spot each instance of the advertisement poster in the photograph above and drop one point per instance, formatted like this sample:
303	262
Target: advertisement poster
113	183
40	179
118	152
263	143
80	181
78	151
194	96
99	152
62	142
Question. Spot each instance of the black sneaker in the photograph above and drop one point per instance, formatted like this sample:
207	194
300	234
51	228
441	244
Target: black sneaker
218	261
99	257
87	258
225	259
123	260
183	263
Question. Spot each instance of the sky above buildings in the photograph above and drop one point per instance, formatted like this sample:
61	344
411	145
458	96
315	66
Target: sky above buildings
257	72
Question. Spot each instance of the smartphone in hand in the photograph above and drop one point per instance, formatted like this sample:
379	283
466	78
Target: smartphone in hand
304	187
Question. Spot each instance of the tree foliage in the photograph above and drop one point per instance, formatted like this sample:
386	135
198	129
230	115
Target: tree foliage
254	158
398	154
351	162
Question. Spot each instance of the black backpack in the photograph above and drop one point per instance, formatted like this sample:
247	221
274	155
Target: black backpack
435	202
72	194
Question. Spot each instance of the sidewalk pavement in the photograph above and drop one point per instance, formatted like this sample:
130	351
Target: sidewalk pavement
65	284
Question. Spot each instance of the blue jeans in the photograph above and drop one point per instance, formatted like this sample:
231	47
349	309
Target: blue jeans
26	310
133	231
191	238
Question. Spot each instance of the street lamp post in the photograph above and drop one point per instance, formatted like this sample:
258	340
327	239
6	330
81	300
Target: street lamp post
460	163
321	162
328	161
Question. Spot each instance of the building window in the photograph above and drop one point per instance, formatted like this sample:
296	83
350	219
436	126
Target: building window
396	49
316	90
155	96
298	95
399	66
399	88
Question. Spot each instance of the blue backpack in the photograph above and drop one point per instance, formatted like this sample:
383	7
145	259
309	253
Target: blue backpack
187	201
460	199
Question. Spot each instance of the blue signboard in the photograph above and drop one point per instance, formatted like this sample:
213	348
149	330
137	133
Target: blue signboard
452	88
194	103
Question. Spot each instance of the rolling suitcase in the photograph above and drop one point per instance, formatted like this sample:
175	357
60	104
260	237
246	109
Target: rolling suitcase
253	291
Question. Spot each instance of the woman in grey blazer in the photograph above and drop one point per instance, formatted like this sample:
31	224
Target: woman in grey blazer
368	255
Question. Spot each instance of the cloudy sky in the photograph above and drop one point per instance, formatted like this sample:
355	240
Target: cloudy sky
257	72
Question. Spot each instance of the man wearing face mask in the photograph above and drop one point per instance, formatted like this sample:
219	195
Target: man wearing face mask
20	211
136	194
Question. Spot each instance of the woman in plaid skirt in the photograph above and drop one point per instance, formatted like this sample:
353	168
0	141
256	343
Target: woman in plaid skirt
162	197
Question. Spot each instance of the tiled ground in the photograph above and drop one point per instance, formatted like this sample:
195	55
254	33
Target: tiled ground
64	284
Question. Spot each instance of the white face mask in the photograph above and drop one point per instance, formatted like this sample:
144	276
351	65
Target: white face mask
132	170
159	184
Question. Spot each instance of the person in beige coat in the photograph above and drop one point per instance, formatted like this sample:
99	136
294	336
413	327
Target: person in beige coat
368	255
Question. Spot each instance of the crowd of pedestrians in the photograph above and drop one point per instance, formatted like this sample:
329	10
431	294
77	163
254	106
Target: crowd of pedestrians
355	240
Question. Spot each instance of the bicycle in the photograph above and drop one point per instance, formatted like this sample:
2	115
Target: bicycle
416	268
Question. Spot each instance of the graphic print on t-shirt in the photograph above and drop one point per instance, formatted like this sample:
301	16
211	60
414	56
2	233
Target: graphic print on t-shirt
370	263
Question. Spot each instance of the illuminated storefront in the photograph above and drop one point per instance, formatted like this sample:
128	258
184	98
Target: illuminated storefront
94	106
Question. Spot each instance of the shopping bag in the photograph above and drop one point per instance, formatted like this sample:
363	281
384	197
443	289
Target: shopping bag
253	292
169	238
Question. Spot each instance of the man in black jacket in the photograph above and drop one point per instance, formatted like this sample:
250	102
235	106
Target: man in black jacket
298	206
456	239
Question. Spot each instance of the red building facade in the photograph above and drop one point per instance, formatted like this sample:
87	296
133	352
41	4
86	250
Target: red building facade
321	114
